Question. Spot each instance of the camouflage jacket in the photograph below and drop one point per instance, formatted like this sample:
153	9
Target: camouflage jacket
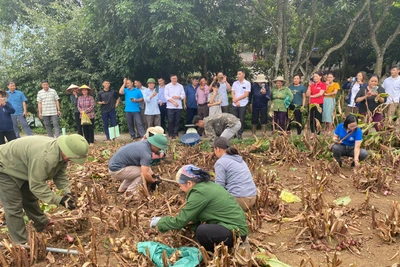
215	124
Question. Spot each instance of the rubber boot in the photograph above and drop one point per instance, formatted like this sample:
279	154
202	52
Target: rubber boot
263	128
254	129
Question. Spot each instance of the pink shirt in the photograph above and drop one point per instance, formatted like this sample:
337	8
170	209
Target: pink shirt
201	95
315	89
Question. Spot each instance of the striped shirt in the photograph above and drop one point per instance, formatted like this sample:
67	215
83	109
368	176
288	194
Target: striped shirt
86	103
48	99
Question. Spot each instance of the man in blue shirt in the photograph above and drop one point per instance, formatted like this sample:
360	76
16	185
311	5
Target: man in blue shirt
17	100
190	100
133	97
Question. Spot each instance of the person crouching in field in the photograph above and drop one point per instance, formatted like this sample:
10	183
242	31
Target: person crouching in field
210	210
26	164
233	174
133	161
348	139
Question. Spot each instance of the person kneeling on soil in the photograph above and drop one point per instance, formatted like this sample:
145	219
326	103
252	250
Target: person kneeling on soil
224	124
133	160
26	164
212	212
348	139
233	174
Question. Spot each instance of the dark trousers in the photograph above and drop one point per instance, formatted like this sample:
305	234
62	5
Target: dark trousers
10	135
88	132
377	119
163	113
174	116
109	120
210	234
298	118
280	119
225	109
134	118
203	110
257	113
190	113
240	112
78	122
340	150
315	115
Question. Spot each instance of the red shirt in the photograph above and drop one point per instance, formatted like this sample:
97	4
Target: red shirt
315	89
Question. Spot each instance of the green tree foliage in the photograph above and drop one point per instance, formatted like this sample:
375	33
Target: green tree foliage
85	42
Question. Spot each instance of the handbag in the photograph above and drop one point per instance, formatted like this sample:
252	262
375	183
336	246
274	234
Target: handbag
85	120
330	146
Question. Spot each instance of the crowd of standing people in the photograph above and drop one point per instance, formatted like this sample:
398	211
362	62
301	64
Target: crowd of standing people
161	104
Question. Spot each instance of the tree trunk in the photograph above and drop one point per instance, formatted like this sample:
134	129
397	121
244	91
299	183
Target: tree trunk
204	69
279	47
285	42
344	40
380	50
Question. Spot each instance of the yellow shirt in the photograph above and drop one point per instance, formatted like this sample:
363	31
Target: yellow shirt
331	88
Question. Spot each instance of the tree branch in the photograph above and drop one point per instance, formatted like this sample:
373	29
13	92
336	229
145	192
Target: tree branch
391	39
344	40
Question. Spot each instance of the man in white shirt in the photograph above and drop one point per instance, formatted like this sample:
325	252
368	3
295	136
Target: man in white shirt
174	94
240	93
392	87
49	108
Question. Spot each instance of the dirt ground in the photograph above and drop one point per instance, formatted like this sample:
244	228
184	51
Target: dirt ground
105	214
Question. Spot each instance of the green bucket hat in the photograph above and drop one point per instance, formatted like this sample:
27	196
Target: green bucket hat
159	140
74	147
151	80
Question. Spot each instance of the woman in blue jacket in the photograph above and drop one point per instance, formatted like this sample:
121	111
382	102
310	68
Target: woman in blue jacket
6	125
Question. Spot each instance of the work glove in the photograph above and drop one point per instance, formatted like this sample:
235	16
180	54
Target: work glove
68	201
154	221
154	185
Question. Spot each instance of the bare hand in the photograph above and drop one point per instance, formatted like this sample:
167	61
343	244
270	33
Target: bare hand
41	116
185	107
24	114
356	163
176	97
59	113
175	104
237	103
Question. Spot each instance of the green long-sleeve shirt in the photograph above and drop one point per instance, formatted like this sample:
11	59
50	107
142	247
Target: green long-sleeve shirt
278	98
210	203
36	159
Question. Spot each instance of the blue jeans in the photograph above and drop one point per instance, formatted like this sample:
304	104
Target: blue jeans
47	123
111	117
21	119
134	118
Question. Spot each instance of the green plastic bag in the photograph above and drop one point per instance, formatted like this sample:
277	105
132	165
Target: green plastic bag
190	256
